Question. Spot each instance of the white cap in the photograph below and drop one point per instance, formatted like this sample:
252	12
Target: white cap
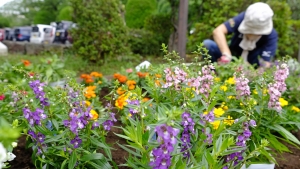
257	20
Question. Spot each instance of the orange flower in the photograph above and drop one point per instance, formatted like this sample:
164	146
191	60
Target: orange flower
26	62
131	84
120	91
122	79
121	101
157	82
157	75
90	92
83	76
145	99
117	75
31	73
142	75
96	74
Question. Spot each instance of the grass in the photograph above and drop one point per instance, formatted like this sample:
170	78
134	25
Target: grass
80	65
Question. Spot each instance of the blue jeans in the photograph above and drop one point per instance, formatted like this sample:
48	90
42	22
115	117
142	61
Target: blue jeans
215	53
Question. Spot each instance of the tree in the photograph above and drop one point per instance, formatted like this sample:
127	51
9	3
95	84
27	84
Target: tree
4	22
101	30
137	11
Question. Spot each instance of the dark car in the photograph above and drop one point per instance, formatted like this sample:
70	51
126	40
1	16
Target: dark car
7	34
61	34
22	34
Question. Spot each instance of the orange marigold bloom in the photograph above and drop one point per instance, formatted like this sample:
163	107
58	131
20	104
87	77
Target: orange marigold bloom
90	92
26	62
157	75
120	91
96	74
117	75
131	84
142	75
122	79
83	76
89	80
121	101
157	82
145	99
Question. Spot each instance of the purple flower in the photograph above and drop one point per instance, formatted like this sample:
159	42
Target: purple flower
107	125
242	87
38	90
112	116
40	137
162	154
34	117
252	123
76	142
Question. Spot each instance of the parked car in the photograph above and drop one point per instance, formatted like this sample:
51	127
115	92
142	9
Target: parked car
2	34
22	34
42	34
7	33
61	35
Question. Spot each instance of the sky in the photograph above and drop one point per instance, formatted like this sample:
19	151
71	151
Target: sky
2	2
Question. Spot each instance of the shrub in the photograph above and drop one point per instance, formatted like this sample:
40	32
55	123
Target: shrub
101	31
137	11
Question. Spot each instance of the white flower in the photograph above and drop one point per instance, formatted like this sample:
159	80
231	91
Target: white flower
14	144
10	156
3	153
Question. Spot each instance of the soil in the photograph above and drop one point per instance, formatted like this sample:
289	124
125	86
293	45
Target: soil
23	155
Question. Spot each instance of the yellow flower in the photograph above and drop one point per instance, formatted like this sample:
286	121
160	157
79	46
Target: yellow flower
231	97
283	102
224	88
94	114
216	124
217	79
296	109
218	112
265	91
87	103
129	115
255	92
224	107
230	80
99	82
229	121
205	113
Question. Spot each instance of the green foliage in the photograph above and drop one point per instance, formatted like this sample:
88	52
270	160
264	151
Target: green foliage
137	11
65	14
4	22
143	42
101	31
282	24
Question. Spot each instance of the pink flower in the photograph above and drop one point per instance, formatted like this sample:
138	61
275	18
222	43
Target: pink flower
2	97
242	86
129	70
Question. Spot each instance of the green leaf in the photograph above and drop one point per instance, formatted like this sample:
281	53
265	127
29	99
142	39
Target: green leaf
73	160
130	151
55	123
287	134
93	156
54	138
63	164
49	72
102	166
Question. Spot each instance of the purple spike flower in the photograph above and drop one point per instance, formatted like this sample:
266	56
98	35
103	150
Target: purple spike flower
76	142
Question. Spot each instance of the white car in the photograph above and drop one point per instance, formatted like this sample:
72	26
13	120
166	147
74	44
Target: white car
42	34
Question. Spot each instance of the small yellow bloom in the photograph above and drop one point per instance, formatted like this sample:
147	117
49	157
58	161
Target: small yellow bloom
87	103
296	109
230	80
229	121
205	113
218	112
94	114
224	88
255	92
231	97
265	91
99	82
216	124
217	79
283	102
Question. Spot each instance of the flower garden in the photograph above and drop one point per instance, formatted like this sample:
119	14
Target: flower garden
173	115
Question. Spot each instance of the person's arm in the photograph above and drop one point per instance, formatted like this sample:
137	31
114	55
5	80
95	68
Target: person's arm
269	49
219	35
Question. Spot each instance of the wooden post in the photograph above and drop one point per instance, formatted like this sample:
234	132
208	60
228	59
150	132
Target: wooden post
182	27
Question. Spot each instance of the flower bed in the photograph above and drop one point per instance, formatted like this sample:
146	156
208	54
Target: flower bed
172	115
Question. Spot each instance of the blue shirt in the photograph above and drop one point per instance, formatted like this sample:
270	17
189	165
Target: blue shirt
265	47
